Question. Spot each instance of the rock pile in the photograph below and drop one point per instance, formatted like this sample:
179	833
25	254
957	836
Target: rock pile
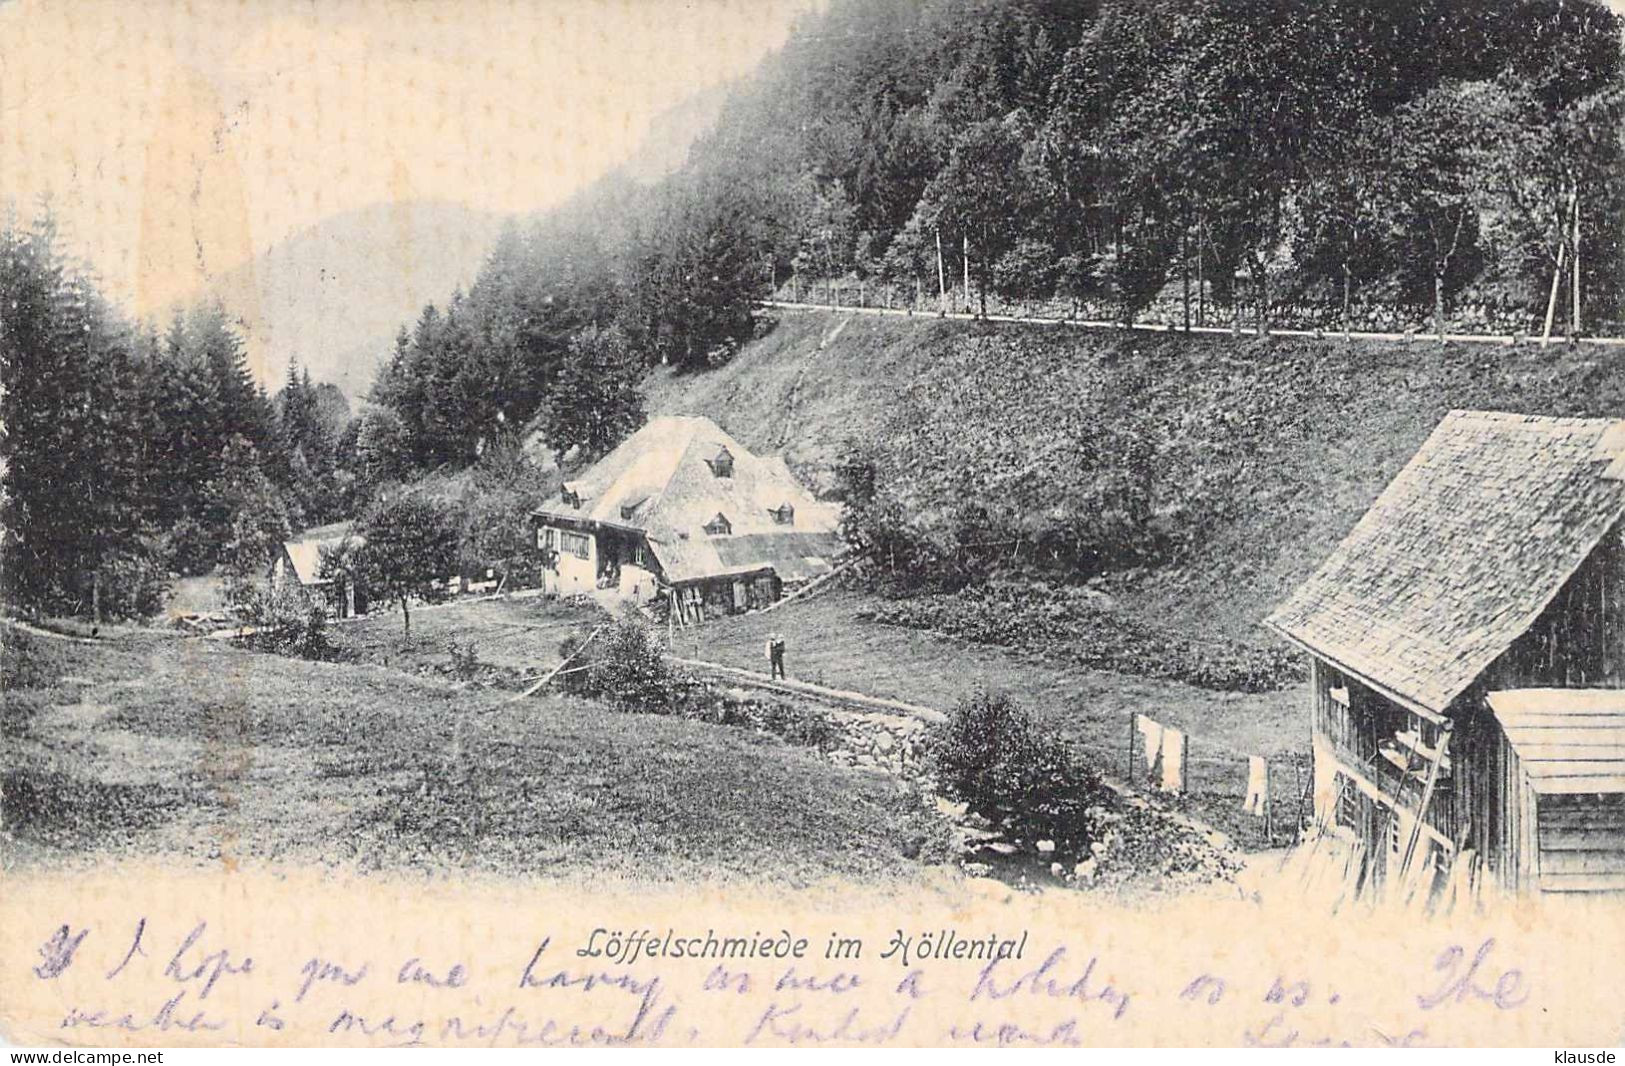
878	741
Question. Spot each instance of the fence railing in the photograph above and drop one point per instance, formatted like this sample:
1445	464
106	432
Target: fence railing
1209	318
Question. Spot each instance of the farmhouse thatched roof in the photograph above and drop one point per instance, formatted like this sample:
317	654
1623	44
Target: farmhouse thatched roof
662	482
1461	553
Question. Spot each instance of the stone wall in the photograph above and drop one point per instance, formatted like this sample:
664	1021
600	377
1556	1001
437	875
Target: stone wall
878	741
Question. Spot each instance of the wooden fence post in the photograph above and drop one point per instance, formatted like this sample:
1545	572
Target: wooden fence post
1128	772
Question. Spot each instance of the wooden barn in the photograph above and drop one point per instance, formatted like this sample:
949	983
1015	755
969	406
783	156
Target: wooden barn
682	512
1468	646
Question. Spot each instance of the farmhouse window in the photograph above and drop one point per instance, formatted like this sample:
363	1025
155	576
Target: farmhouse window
722	464
783	514
547	538
637	556
719	526
576	544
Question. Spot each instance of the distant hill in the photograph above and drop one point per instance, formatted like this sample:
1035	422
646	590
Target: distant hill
672	132
334	294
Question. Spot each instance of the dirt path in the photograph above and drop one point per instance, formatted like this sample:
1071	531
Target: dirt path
794	391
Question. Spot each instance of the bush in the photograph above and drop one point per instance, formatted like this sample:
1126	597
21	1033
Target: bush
135	584
465	660
992	755
626	665
285	622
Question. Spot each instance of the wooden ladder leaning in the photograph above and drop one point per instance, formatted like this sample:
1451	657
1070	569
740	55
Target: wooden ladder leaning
1427	798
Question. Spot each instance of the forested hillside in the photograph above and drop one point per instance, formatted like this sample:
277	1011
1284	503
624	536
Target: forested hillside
131	454
1440	160
1199	478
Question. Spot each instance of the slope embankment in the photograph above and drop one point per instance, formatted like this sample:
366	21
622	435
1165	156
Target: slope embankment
1257	454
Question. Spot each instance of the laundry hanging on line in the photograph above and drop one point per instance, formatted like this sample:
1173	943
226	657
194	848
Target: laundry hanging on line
1258	786
1151	733
1173	760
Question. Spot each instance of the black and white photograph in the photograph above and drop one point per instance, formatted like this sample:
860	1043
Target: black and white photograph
946	523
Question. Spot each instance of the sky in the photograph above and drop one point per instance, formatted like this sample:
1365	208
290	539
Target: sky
176	140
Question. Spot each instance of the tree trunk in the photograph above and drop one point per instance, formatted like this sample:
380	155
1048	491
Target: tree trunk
1201	280
1551	301
1235	304
964	261
942	279
406	619
96	597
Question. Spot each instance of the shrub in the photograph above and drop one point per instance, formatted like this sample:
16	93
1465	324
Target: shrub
627	666
135	584
992	755
286	623
465	660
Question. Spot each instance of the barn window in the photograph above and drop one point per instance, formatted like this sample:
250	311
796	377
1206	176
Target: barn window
783	514
722	464
1348	803
719	526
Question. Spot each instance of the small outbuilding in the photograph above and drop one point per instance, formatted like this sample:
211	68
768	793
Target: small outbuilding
298	564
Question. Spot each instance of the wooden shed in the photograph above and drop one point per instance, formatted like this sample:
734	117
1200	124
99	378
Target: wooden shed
1561	758
1491	566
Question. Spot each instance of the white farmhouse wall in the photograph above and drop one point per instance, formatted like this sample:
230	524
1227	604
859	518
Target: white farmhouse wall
576	575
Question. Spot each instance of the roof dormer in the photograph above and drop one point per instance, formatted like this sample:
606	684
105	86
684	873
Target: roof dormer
719	526
630	509
722	463
784	514
571	495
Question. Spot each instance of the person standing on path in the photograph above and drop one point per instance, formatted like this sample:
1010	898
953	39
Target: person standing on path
775	655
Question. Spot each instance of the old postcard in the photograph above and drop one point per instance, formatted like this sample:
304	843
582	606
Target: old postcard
992	523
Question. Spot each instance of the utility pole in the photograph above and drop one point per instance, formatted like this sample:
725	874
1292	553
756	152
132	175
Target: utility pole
942	278
1577	260
964	251
1185	272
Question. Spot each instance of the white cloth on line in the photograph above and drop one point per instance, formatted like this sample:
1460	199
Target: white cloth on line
1173	760
1151	733
1258	785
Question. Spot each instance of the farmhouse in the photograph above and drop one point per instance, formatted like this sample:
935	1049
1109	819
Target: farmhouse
1468	644
680	510
299	563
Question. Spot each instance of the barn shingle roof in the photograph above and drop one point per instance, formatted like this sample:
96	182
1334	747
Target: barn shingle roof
1568	740
1462	551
